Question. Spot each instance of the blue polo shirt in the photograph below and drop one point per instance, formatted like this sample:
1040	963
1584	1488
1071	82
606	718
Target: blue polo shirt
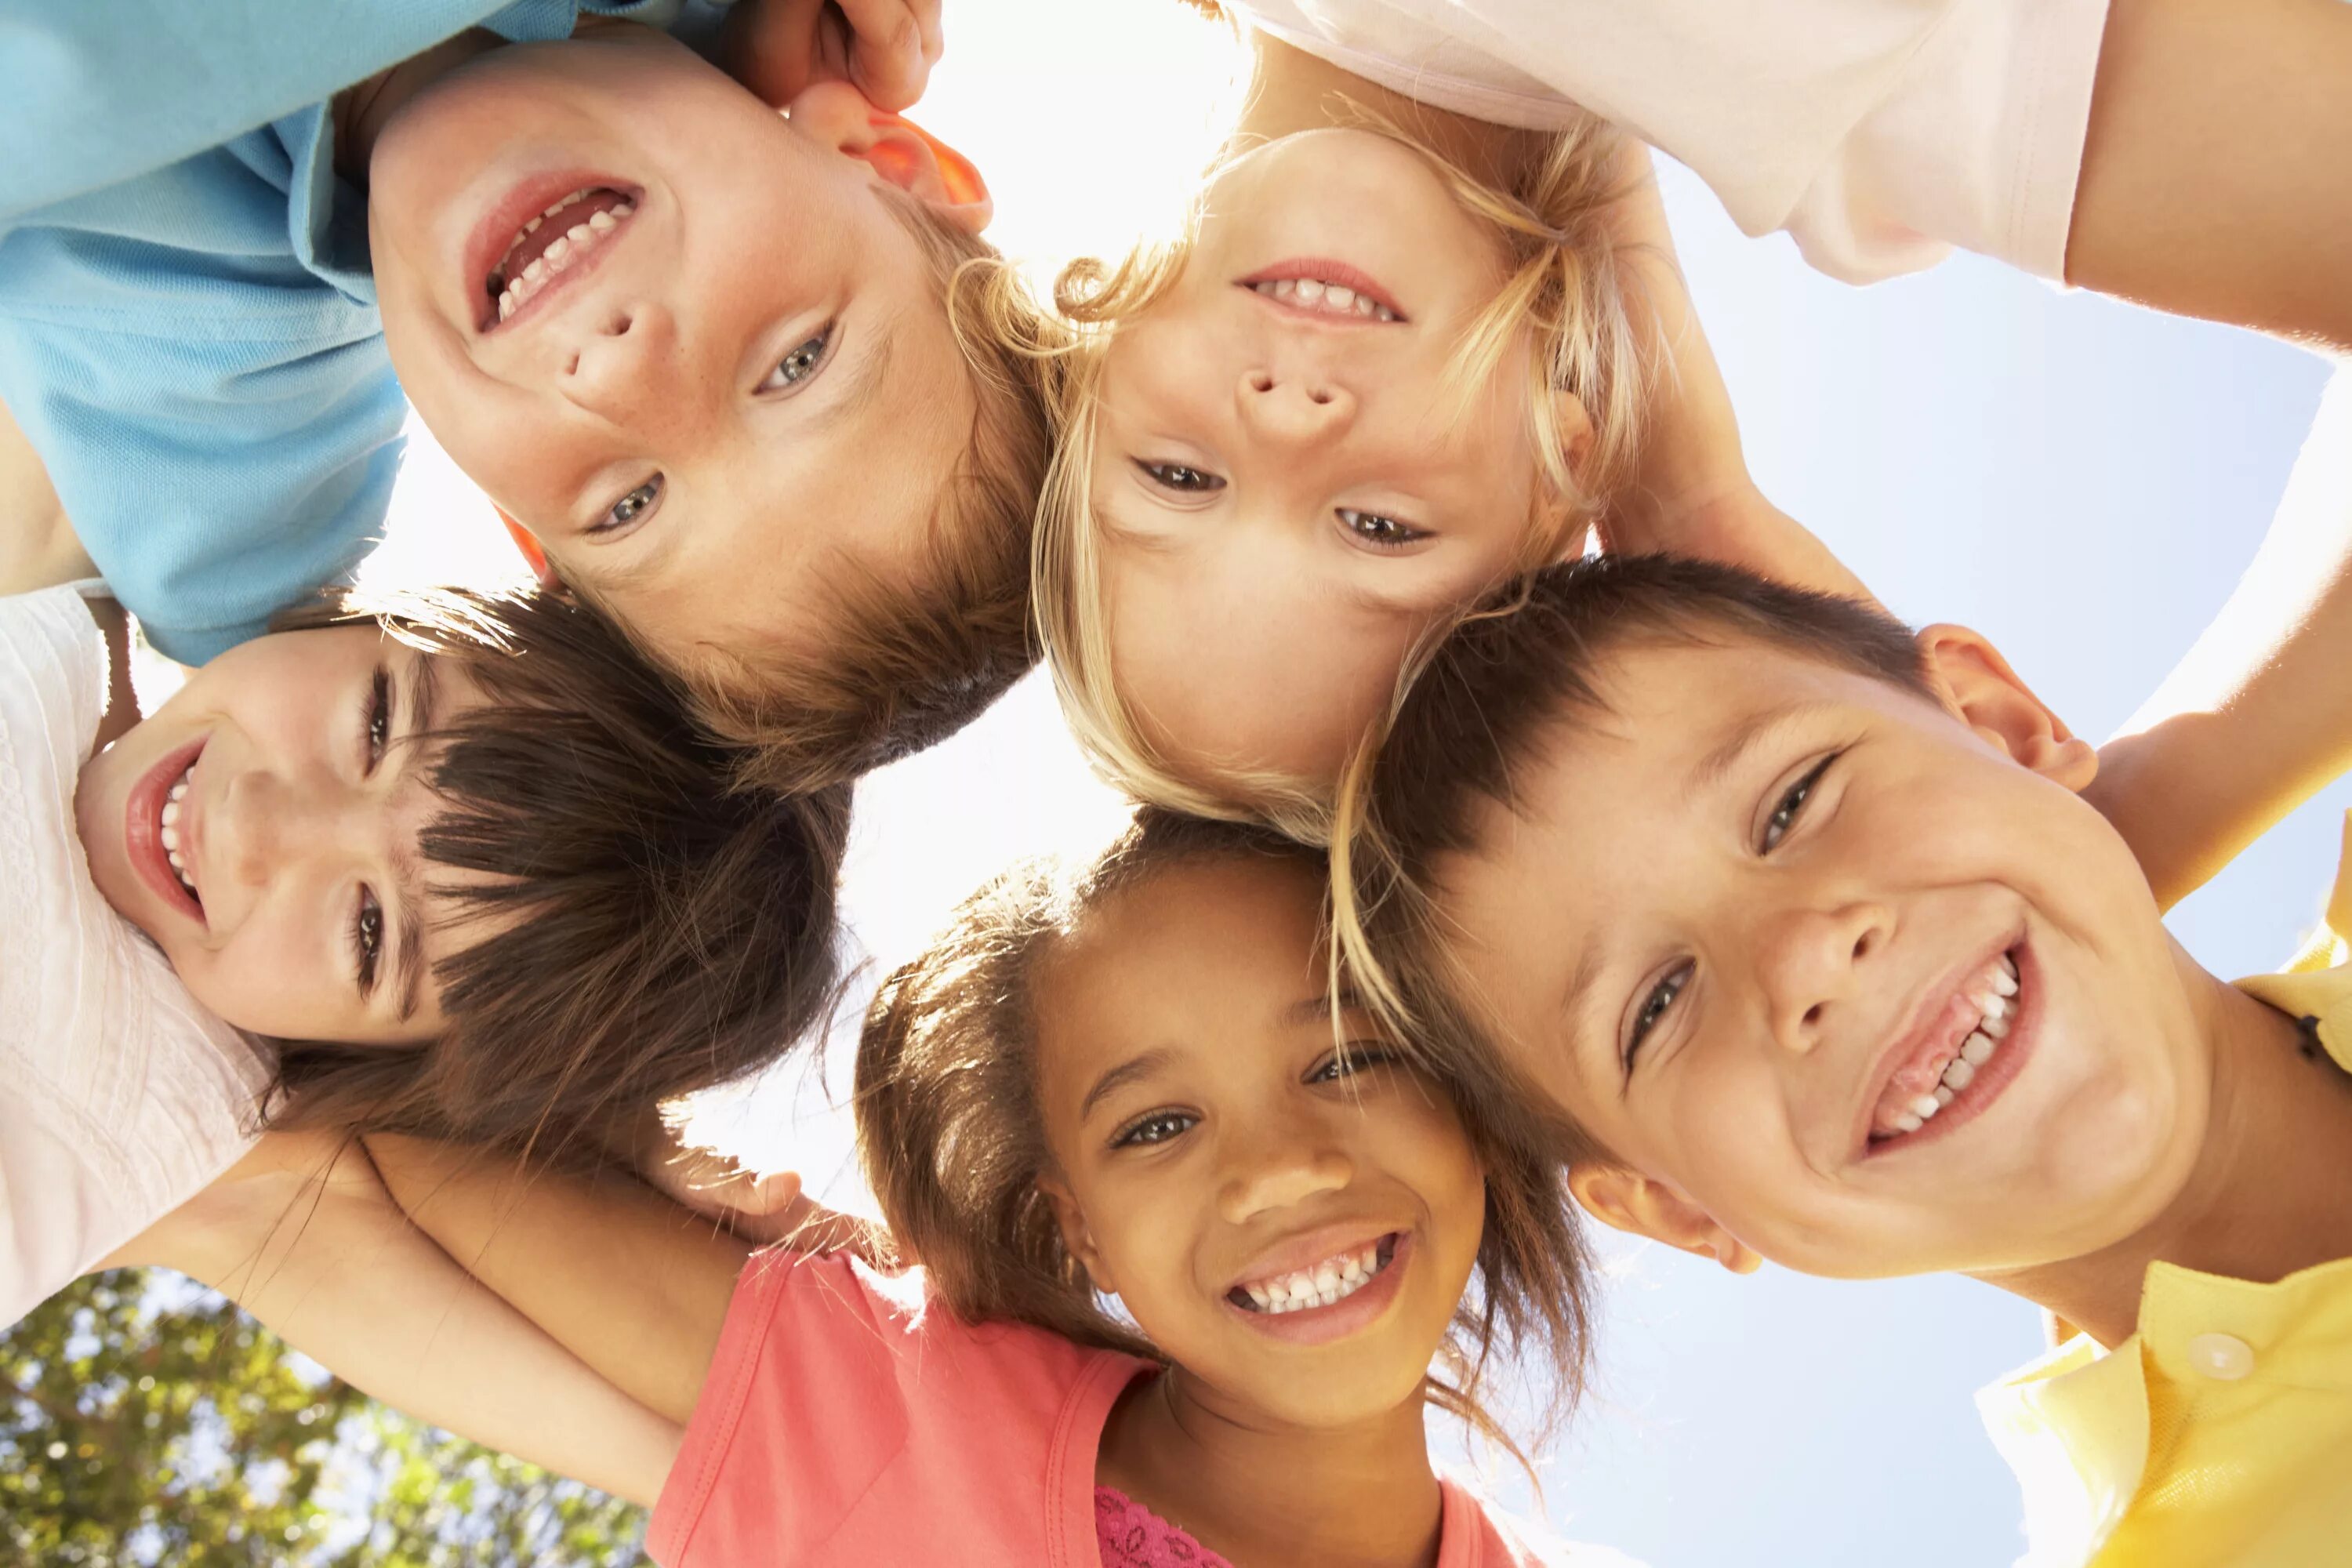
188	326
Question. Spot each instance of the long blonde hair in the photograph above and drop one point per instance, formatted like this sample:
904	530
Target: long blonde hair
1563	300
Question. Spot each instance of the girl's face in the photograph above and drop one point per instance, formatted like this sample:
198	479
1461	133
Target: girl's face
1293	1229
262	828
1285	494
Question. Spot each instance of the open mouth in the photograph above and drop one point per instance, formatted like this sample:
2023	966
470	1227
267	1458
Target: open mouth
1325	1284
1325	289
550	242
1964	1063
159	831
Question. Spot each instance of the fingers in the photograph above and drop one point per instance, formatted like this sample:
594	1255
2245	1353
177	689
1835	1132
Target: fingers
893	46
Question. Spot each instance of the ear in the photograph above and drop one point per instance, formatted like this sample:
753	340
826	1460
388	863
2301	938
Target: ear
1573	421
1978	685
1076	1234
532	550
1621	1197
898	151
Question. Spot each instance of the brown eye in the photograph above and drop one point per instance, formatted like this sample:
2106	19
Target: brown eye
1654	1009
1181	478
1792	804
1380	533
1157	1128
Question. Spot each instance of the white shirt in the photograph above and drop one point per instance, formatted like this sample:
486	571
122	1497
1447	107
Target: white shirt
120	1096
1878	132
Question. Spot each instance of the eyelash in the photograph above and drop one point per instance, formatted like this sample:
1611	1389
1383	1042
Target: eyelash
1134	1134
1402	534
632	507
1777	828
367	939
376	714
1195	482
1351	1062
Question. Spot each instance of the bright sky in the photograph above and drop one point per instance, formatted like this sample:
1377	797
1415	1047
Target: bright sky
2082	480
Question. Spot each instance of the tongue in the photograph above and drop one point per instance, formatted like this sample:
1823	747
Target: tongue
535	243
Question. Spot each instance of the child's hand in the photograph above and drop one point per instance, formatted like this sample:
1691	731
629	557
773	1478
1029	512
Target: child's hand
885	48
770	1208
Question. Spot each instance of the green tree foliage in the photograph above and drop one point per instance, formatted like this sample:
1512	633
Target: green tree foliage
144	1421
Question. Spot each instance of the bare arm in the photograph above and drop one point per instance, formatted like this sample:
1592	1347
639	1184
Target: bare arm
625	1279
2213	177
305	1237
2258	716
38	548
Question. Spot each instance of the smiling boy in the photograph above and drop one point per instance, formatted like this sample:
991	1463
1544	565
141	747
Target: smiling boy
1804	935
723	398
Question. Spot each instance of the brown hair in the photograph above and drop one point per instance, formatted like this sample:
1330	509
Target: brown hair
907	664
1484	701
954	1140
653	928
1560	308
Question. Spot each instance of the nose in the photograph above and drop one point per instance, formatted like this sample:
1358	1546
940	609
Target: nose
1293	409
1813	961
1279	1163
620	363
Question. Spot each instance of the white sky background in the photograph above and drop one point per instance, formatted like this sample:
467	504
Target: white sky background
2082	480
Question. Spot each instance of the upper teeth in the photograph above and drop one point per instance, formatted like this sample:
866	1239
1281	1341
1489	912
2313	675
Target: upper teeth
170	824
1336	298
1991	997
568	247
1330	1280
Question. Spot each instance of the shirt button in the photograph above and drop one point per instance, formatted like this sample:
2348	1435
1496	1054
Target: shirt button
2225	1357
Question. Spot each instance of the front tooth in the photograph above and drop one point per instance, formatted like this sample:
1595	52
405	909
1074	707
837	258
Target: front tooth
581	233
1339	297
1309	291
171	838
536	270
1924	1106
1993	1028
555	253
180	790
177	864
1975	1051
1999	1006
1944	1095
1908	1123
2004	984
1285	289
602	222
1959	1074
170	812
1327	1277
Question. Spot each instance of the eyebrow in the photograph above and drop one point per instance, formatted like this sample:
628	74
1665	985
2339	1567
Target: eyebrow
1119	1077
1749	737
408	952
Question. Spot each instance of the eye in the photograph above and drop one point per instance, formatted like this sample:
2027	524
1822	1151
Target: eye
1181	477
799	364
1352	1062
1792	804
378	716
1159	1127
630	509
367	939
1653	1011
1380	533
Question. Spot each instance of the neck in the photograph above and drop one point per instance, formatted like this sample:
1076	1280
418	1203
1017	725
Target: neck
1257	1491
2270	1191
1290	91
362	110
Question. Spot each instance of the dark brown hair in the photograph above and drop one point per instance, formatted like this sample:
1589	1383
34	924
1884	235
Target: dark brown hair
1479	702
907	664
653	928
953	1138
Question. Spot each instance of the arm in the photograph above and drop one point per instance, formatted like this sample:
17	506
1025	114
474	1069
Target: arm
2259	715
302	1235
38	547
622	1278
2212	181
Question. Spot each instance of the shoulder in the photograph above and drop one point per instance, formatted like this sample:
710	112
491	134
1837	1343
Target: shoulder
1478	1534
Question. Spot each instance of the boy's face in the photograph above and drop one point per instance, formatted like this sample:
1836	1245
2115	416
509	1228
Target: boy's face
262	828
1213	1149
741	378
1744	921
1284	492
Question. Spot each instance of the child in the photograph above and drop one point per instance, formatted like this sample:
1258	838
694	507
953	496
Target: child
785	471
1129	1084
2066	137
1399	356
460	858
1804	933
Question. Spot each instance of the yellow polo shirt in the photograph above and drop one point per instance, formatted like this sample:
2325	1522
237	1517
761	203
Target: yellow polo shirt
2221	1432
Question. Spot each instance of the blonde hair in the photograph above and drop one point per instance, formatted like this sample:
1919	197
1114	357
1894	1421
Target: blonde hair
1562	299
907	664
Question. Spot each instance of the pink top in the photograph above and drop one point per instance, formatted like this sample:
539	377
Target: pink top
1130	1535
849	1420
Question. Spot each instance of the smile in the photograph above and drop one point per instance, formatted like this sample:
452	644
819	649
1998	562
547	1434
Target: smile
543	235
1327	1284
159	831
1970	1053
1325	290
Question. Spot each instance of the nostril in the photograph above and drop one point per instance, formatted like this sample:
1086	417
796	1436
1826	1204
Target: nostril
1812	1016
1318	396
618	327
1261	382
572	365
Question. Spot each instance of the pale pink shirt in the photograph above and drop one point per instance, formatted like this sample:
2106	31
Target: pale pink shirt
1879	134
848	1419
